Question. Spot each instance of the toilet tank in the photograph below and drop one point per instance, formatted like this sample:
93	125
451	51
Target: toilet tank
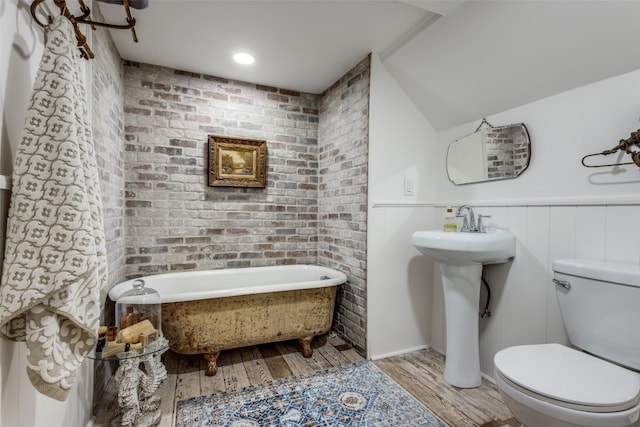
601	308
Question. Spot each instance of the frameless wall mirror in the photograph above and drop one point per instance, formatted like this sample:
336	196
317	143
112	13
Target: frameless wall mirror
490	153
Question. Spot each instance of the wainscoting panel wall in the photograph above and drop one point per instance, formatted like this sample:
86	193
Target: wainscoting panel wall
400	281
523	298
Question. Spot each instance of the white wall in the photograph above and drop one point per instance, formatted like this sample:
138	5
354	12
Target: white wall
401	143
563	128
557	208
21	44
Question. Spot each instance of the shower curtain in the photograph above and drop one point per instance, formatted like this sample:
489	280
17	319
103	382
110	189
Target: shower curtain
55	273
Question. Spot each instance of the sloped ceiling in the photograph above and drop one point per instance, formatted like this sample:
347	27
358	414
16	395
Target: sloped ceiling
457	61
491	56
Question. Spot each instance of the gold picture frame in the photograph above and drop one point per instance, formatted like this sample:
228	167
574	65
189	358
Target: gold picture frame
237	162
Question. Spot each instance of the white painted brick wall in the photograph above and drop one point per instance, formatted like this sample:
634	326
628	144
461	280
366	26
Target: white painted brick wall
168	116
342	202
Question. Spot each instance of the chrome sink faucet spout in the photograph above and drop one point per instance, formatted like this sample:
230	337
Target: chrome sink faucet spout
469	218
469	224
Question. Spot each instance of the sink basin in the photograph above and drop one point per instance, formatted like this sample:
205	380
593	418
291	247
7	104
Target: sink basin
493	247
461	257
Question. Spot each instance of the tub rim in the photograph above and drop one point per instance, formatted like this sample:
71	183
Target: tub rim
336	278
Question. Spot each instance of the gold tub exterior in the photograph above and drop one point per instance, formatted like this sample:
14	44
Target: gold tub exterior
208	326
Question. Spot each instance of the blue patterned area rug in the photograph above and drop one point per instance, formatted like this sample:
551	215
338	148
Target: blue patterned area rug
359	394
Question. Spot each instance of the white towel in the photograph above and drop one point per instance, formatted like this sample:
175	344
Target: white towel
55	272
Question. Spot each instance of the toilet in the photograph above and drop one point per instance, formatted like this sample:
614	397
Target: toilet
596	383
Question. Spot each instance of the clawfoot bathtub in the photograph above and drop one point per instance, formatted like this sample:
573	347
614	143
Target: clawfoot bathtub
205	312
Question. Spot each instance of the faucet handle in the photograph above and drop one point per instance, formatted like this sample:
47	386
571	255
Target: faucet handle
481	227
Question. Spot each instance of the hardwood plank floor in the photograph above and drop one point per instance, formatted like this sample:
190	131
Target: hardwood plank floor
420	373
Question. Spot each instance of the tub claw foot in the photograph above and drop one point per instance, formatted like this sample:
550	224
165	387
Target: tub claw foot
305	343
212	359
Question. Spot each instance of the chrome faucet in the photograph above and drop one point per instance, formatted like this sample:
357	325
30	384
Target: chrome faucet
469	219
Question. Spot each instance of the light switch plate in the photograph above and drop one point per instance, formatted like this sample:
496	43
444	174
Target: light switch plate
409	187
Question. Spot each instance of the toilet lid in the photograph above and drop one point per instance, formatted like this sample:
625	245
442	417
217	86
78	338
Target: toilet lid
570	376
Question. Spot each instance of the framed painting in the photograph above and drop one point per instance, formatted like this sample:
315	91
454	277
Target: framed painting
237	162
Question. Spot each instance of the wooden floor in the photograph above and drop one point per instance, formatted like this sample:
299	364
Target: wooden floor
420	373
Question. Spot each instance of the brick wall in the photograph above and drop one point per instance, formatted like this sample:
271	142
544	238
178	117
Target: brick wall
507	152
107	92
521	152
343	161
175	221
313	209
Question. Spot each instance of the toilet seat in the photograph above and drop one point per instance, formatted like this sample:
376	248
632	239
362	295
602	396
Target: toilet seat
568	378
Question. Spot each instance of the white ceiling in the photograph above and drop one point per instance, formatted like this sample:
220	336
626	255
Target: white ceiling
479	58
302	45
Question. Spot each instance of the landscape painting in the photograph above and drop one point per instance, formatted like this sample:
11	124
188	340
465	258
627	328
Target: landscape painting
237	162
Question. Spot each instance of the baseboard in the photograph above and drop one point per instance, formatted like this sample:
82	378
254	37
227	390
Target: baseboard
422	347
488	378
399	352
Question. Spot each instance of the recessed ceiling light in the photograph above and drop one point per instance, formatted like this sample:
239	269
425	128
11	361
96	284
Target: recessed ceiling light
243	58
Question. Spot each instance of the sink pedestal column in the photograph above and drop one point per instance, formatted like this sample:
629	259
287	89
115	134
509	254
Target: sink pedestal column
461	285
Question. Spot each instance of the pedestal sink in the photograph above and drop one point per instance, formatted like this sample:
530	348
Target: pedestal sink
461	256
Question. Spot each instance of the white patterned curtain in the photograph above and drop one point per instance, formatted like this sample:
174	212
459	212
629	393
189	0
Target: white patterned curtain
55	272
